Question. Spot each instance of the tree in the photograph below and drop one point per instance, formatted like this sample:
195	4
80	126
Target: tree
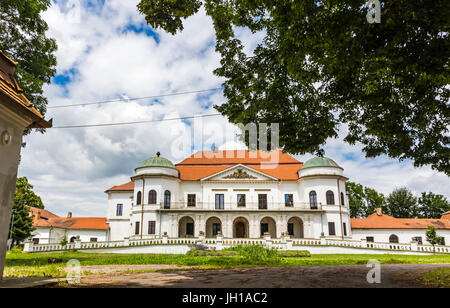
401	203
322	64
363	200
24	197
24	194
432	205
22	38
432	236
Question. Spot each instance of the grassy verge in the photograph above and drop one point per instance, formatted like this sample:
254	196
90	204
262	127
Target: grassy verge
440	277
36	265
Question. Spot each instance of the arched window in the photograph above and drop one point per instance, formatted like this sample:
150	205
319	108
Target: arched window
342	199
313	199
330	197
393	238
138	198
152	197
167	199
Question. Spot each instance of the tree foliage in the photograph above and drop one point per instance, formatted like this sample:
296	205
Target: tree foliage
363	201
401	203
24	194
432	236
22	38
432	205
321	64
24	197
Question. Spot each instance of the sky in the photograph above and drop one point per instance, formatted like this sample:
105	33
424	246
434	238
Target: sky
106	51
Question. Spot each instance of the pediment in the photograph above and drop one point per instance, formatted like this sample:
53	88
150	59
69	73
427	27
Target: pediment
239	173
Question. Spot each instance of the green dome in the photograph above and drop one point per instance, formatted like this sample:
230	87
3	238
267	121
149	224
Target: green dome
320	162
157	162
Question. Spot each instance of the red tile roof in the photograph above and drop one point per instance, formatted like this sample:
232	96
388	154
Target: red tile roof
383	221
206	163
48	219
12	95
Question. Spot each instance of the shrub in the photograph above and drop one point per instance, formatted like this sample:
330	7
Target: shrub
257	253
294	254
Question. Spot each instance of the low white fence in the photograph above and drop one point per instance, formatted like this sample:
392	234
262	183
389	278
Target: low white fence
322	245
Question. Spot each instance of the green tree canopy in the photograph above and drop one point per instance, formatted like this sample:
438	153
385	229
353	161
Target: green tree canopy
24	197
24	194
363	200
432	205
22	38
322	64
401	203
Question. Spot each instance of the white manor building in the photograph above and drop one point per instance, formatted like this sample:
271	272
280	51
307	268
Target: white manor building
240	194
235	194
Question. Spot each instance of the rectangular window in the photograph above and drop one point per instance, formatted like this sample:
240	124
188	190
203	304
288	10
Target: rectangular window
442	241
344	226
151	227
264	229
418	239
369	239
289	200
241	200
119	210
331	229
216	228
220	201
290	228
35	241
93	239
262	201
136	228
191	200
190	228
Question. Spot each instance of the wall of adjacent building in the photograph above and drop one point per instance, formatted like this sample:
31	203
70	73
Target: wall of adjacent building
8	173
404	235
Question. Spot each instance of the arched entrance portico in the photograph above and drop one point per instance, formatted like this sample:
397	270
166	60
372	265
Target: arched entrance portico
186	227
268	225
213	226
295	227
240	228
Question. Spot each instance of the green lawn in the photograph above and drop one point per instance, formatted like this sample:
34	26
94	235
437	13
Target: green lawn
32	265
440	277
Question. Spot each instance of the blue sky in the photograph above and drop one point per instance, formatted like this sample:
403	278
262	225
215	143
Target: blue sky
106	51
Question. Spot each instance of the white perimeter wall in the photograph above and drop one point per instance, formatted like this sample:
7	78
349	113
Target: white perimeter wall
404	235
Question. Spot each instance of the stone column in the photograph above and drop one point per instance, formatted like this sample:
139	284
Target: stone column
281	225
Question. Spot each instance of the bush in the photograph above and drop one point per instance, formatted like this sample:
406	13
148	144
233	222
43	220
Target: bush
219	253
294	254
257	253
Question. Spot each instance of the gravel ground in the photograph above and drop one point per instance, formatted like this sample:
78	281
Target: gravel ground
392	276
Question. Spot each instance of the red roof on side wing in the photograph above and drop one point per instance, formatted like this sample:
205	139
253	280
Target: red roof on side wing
44	218
383	221
124	187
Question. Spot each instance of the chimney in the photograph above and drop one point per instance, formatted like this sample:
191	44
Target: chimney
38	215
379	211
69	215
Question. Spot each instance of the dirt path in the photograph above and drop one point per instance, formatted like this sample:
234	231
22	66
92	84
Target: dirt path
402	275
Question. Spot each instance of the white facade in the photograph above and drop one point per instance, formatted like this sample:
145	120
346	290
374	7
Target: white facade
306	218
51	235
404	236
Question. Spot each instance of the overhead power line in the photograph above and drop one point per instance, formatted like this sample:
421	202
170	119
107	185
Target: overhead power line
138	122
135	98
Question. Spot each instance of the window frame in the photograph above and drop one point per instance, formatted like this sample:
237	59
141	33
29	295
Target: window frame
330	197
138	198
262	201
151	227
221	204
137	228
238	203
291	203
119	206
331	227
190	202
313	200
152	197
167	199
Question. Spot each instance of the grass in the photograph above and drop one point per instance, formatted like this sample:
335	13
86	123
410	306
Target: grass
36	265
440	277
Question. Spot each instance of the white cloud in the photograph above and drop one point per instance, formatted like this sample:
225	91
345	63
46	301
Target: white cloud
71	168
